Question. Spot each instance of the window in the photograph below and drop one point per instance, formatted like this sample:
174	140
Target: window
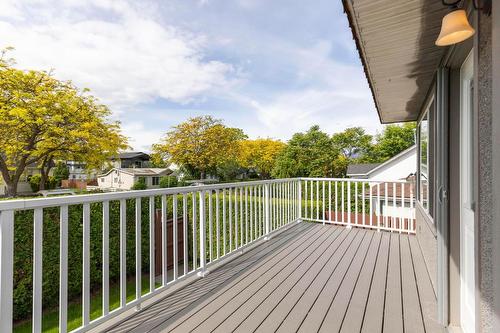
156	181
424	163
425	160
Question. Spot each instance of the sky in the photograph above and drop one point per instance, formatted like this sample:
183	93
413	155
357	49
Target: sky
269	67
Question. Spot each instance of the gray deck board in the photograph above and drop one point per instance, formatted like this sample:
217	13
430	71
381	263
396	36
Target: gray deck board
276	287
174	304
268	316
296	315
314	318
393	311
218	307
309	278
227	304
359	299
374	313
412	314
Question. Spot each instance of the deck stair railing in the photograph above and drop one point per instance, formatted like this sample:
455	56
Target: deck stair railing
208	224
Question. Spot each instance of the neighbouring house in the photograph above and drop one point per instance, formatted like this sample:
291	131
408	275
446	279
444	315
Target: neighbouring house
131	159
394	196
393	199
125	178
360	170
421	66
78	171
396	168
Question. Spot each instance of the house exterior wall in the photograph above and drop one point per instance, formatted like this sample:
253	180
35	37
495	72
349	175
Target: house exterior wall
427	238
495	161
116	180
487	224
397	169
488	310
123	181
149	181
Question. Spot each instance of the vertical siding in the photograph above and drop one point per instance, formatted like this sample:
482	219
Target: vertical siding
427	238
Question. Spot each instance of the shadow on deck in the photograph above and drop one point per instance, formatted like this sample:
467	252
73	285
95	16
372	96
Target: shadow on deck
309	278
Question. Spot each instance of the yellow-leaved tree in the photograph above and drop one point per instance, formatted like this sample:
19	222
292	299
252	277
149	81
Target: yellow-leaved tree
43	119
200	145
260	155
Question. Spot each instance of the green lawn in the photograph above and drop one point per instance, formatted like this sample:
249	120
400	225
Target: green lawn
50	320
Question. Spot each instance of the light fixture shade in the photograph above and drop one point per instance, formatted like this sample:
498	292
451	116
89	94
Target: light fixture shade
455	28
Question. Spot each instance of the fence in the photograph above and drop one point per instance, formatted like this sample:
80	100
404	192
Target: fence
217	221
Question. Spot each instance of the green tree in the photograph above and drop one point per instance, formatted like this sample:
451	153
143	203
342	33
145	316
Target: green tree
168	181
260	155
43	119
394	139
140	184
200	145
353	143
309	154
229	170
61	172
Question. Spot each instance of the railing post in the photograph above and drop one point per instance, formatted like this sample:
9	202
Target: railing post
349	226
202	235
300	200
6	269
266	209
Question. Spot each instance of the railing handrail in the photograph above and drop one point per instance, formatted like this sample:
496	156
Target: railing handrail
32	203
357	180
255	210
22	204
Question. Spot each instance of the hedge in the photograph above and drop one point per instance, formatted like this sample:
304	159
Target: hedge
23	253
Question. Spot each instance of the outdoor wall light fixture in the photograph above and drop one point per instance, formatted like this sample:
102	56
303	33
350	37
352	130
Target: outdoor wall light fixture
455	27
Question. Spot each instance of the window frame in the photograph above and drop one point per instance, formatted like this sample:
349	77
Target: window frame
428	114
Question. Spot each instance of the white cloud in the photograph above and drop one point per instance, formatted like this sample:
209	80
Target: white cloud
297	111
115	48
143	135
132	53
331	94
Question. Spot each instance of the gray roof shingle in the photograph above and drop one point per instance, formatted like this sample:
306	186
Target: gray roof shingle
361	169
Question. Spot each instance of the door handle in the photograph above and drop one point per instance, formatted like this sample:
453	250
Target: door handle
442	194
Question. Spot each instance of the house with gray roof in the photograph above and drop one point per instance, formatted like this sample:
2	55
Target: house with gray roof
118	179
396	168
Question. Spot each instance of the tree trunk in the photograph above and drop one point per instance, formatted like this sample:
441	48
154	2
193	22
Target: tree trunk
202	174
44	173
43	180
11	188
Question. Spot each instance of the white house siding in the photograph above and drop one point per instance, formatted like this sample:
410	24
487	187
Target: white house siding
396	169
120	179
116	180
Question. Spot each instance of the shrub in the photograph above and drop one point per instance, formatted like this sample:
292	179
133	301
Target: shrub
61	172
140	184
168	181
35	183
23	248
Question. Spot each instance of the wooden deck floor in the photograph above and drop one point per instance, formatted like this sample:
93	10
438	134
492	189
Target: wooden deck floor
310	278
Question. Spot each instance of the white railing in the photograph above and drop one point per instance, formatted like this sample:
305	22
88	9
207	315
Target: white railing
366	203
204	224
197	226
